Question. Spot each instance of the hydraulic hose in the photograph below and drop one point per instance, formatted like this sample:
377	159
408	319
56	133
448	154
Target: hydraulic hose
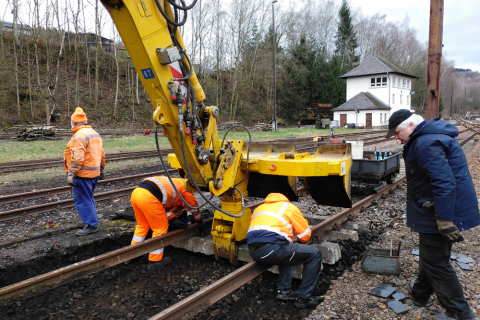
190	176
170	178
164	14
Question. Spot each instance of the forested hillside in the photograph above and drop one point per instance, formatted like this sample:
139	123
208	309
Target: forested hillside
231	45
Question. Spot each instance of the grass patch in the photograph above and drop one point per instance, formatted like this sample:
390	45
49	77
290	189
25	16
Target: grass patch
11	151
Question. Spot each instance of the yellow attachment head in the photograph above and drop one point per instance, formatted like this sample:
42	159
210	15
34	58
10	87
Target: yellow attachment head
188	186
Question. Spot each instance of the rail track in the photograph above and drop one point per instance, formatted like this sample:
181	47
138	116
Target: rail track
192	304
27	165
62	204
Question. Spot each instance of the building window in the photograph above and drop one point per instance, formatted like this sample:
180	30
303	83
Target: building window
404	83
393	98
381	118
400	99
398	83
378	82
408	84
408	100
393	82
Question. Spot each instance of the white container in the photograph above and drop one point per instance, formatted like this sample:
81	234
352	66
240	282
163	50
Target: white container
357	149
334	124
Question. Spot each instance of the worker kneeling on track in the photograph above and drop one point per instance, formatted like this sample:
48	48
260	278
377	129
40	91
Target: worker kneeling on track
156	206
270	242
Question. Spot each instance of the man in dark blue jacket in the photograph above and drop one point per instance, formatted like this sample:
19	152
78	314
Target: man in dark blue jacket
441	202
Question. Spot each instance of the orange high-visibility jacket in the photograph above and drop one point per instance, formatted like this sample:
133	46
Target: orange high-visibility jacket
277	219
84	155
171	202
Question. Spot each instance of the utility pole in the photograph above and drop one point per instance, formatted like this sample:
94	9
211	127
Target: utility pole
434	59
274	127
451	103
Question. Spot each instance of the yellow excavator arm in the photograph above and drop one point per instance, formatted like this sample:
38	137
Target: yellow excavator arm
230	169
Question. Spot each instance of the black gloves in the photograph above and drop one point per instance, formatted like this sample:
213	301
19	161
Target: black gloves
70	179
102	176
178	224
449	231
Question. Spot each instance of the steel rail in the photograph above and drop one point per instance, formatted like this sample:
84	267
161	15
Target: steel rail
62	204
206	297
54	191
80	269
9	167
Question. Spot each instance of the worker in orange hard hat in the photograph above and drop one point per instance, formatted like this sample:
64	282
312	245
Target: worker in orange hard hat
158	207
270	242
84	161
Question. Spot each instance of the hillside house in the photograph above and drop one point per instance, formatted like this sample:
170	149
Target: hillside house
375	89
90	39
21	28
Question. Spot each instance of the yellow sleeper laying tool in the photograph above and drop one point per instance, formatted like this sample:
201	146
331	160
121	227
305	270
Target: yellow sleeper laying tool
229	169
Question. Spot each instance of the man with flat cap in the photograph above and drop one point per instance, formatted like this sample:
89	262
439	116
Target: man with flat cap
441	202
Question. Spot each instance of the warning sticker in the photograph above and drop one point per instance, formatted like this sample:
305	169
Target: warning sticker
343	168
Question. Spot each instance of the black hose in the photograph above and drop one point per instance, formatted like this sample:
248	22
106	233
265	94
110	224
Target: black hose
164	14
190	176
170	178
183	2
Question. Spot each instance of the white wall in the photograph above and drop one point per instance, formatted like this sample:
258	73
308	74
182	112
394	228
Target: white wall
360	119
356	85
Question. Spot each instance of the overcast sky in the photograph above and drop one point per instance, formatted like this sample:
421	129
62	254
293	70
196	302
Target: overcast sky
461	25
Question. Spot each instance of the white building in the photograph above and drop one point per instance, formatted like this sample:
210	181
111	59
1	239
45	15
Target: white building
375	89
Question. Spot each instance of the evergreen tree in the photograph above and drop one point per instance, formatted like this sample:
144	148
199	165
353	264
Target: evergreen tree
295	90
346	40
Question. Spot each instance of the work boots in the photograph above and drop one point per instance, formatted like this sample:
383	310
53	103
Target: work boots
415	302
86	230
157	264
311	302
286	295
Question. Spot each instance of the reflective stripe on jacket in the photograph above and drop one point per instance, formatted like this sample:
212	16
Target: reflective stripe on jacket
84	155
276	221
171	201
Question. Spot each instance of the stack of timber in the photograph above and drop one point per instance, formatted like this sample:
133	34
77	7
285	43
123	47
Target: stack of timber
37	133
262	127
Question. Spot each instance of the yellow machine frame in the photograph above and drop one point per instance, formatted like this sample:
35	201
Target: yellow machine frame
146	35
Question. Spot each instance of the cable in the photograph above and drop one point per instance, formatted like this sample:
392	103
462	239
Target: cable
178	24
170	178
183	2
198	188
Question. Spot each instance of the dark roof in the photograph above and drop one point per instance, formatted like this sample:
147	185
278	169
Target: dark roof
362	101
376	65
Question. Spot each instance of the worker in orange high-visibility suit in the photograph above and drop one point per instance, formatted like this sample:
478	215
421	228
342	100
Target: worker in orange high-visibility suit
157	206
270	242
84	161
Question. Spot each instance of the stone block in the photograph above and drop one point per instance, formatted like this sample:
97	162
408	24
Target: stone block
197	244
331	252
340	235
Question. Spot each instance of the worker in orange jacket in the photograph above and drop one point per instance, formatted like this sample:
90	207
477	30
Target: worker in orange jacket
84	161
157	206
270	242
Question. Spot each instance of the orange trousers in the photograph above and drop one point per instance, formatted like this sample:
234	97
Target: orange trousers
150	214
